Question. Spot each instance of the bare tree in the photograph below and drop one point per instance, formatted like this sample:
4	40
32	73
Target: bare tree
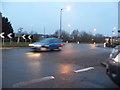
75	35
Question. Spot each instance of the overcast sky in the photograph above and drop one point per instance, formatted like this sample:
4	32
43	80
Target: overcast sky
84	16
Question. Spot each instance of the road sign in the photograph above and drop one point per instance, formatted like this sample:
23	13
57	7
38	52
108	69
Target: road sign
29	37
1	35
23	36
9	35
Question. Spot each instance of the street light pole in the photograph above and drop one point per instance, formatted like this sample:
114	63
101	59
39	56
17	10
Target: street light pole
113	33
60	21
68	8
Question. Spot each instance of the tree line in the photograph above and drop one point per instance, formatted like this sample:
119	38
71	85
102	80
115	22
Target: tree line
80	36
75	36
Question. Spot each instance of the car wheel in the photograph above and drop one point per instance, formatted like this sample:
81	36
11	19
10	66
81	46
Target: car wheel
51	49
115	80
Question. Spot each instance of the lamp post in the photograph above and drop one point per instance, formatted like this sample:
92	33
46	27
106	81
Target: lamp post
94	36
60	21
94	30
113	33
68	8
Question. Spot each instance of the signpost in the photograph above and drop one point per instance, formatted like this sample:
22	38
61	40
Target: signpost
9	35
1	35
19	32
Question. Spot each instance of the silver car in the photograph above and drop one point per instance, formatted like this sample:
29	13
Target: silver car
113	65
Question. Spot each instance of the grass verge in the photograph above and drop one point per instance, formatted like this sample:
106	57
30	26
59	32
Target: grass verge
15	44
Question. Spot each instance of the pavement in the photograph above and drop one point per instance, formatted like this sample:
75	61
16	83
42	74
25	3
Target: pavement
76	66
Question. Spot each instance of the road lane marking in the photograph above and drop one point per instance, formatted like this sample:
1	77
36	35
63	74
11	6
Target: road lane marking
83	70
33	81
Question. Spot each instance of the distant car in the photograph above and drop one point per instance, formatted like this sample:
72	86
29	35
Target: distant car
113	65
47	44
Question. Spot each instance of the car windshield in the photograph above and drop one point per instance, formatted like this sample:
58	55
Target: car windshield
47	41
114	53
117	58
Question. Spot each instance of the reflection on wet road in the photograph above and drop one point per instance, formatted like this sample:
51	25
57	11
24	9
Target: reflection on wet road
22	65
33	55
65	69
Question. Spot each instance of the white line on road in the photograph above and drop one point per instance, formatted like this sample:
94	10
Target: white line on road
83	70
33	81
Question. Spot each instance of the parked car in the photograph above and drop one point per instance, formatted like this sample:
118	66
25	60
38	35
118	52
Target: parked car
113	65
47	44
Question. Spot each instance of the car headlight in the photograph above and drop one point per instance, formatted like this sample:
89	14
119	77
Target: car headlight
110	56
31	44
117	58
37	45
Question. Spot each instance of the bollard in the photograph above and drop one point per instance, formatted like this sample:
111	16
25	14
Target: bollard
66	41
104	44
78	42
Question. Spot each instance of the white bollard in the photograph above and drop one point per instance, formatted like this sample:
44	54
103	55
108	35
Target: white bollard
78	42
66	41
104	44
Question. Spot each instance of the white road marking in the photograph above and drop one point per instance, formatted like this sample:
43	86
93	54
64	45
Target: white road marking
33	81
83	70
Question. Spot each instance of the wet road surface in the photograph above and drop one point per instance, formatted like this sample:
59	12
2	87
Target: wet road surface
24	68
